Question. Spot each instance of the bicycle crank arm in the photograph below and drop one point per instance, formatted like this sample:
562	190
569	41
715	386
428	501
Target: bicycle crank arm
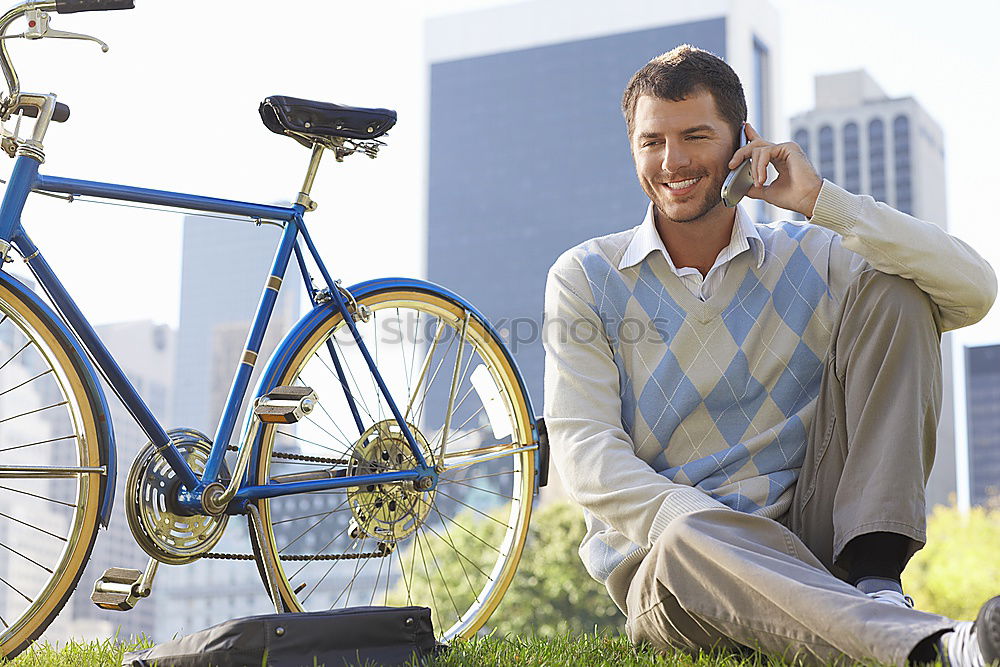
121	588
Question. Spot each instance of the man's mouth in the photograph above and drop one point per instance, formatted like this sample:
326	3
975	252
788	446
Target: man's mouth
682	187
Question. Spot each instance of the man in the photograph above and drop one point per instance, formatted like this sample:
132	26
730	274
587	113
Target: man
747	412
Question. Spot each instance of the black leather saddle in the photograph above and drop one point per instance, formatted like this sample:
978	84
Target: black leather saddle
294	117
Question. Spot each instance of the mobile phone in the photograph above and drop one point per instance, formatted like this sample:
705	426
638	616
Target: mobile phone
739	180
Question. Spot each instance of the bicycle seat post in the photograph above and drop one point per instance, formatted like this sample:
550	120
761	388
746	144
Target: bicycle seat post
303	198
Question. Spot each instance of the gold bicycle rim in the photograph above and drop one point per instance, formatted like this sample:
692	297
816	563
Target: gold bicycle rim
488	348
74	556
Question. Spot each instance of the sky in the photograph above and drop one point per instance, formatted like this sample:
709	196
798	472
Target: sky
173	105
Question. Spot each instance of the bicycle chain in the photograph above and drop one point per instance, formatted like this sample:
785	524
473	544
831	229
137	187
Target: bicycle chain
310	459
300	457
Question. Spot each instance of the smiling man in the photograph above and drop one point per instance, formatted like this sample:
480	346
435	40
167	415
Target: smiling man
747	412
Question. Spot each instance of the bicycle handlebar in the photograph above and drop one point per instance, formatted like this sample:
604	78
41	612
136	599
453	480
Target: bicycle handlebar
61	113
72	6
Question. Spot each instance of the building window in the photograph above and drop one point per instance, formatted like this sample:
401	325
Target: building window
826	164
802	139
876	159
852	159
901	152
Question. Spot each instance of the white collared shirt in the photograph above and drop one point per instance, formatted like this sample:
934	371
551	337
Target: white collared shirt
647	239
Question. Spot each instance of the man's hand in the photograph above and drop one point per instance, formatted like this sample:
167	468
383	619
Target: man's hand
797	186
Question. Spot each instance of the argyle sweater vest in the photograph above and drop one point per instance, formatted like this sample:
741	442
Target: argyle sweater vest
716	395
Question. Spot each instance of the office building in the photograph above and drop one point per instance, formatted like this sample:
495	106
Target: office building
528	153
982	391
889	148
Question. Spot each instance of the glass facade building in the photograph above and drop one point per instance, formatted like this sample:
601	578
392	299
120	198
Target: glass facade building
982	390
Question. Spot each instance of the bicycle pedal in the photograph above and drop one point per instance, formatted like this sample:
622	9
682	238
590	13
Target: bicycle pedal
285	405
116	589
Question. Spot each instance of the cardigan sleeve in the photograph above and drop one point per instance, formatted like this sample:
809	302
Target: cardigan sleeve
593	454
957	279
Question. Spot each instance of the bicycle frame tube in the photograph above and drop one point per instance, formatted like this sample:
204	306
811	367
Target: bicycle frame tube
25	178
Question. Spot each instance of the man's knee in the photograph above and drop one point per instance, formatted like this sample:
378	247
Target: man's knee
892	295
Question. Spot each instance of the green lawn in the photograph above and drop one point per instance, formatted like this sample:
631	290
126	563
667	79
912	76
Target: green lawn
575	651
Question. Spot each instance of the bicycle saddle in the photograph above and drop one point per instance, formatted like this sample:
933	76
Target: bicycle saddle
296	117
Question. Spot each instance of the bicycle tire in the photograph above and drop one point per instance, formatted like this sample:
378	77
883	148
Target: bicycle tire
438	524
35	507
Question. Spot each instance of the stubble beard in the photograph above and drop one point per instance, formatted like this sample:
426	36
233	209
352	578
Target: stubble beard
709	201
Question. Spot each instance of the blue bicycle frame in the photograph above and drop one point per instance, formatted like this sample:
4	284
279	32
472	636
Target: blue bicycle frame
25	178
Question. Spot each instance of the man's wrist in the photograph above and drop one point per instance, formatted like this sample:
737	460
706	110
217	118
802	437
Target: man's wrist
808	206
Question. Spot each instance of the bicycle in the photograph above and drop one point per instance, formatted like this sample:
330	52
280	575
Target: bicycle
433	465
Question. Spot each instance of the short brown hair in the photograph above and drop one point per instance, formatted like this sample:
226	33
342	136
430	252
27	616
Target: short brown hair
678	73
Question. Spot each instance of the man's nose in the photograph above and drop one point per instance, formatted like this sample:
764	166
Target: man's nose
675	157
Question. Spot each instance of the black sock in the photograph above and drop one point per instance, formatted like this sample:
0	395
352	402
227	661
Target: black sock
881	555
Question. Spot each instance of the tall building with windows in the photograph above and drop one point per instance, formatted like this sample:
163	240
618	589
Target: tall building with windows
889	148
528	152
982	391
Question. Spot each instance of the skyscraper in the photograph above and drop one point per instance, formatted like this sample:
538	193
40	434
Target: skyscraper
528	151
891	149
982	390
218	298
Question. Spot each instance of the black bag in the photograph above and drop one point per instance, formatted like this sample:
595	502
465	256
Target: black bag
354	636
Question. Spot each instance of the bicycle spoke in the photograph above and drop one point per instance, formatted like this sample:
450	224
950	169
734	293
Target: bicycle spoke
425	365
451	542
31	412
30	560
16	590
444	580
430	583
475	509
452	519
29	525
7	391
477	488
23	348
39	442
51	500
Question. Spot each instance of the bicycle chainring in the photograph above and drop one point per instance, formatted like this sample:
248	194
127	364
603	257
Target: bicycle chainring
162	532
388	512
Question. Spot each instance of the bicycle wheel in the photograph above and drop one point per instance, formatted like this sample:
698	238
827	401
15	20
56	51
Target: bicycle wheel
51	470
454	548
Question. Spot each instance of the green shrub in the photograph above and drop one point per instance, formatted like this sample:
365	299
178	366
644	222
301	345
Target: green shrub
959	569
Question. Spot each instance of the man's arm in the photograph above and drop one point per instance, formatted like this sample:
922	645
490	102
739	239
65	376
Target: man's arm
592	452
958	280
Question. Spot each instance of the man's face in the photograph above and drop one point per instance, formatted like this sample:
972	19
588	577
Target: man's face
681	151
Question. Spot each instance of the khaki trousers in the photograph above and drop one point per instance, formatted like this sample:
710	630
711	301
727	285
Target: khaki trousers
720	578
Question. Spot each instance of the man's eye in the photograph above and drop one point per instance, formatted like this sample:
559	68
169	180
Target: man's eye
696	136
647	144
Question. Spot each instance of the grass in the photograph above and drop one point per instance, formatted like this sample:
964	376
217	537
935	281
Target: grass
571	651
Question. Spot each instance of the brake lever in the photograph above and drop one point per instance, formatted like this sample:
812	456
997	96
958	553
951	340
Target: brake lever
38	27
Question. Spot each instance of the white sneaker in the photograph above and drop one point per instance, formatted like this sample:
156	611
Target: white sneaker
892	597
974	644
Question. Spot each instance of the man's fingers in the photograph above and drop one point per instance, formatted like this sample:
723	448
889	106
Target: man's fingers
752	134
761	158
